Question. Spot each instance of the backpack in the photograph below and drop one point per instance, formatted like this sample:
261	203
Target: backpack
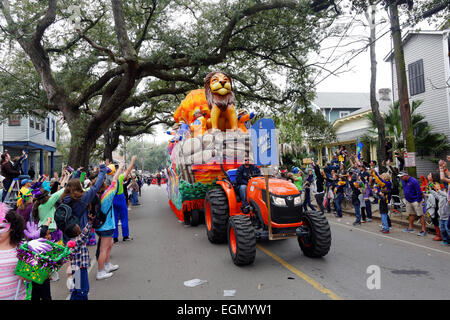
96	210
64	217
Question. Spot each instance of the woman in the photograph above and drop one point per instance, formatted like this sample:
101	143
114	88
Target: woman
11	234
75	197
44	207
106	231
8	172
432	179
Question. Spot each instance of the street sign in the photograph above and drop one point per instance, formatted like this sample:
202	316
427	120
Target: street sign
264	143
410	159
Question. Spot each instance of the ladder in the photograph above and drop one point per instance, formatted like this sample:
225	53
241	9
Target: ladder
13	190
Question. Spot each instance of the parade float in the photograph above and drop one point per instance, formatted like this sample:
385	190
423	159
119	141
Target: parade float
209	137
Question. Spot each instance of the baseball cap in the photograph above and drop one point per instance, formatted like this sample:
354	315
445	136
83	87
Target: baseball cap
403	173
25	181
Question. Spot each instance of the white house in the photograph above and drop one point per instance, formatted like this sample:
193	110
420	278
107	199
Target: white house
34	133
427	61
354	125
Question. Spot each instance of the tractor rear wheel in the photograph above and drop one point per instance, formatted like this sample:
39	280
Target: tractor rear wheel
317	240
241	240
216	215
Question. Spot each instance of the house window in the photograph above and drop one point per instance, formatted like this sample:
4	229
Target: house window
53	130
14	120
38	124
343	114
416	77
31	122
48	129
43	125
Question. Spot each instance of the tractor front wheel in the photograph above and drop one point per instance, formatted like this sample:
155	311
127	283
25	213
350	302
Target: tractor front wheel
241	240
316	239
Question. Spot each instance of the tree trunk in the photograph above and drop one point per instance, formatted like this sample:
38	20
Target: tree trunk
400	68
112	139
381	148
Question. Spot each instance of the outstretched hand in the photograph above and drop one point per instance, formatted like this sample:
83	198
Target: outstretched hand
32	230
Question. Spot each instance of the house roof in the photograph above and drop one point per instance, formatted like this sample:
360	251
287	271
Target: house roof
411	33
341	100
383	106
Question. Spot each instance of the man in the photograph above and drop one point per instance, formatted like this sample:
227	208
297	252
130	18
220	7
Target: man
243	175
319	192
335	160
363	173
413	197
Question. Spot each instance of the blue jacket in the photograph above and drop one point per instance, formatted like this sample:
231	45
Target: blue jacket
243	174
80	208
411	189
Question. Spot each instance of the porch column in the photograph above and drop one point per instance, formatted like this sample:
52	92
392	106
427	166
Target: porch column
52	164
41	161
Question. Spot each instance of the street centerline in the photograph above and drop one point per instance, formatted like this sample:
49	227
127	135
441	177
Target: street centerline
302	275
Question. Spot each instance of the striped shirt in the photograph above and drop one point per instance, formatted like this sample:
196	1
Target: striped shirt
8	280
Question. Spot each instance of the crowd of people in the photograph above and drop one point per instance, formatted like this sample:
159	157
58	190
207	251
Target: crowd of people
77	209
365	185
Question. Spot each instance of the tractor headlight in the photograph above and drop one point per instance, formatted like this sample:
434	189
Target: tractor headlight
297	201
279	201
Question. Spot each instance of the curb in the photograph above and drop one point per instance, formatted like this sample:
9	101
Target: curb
396	221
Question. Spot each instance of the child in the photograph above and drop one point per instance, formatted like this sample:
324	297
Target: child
307	201
42	291
25	204
79	259
367	194
383	205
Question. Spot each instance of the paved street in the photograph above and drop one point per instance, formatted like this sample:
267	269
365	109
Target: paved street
165	253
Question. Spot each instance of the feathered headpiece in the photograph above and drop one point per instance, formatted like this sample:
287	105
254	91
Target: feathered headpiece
4	209
46	185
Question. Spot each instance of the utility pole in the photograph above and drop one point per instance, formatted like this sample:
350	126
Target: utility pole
125	149
402	87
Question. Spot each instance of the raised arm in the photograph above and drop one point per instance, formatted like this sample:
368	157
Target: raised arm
130	167
89	195
118	171
442	171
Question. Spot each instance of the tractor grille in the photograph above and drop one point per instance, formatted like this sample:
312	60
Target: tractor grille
284	214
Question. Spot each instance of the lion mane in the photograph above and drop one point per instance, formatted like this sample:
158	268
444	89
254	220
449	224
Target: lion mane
216	99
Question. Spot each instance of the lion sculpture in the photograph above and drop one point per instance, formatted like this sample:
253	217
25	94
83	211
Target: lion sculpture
215	100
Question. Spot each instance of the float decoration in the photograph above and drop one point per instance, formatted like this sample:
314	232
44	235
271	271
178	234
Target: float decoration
209	136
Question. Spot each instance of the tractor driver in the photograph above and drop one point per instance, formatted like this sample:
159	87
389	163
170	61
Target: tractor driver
243	175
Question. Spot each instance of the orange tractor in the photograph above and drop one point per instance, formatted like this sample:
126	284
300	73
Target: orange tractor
279	217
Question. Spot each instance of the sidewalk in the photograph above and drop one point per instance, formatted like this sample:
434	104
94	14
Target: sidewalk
399	219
